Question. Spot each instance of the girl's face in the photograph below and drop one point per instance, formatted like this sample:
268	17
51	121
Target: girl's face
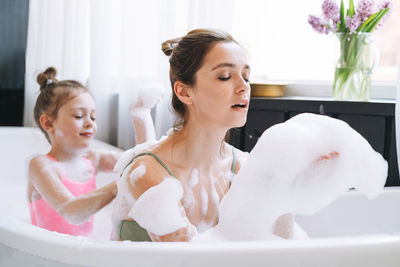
75	124
221	91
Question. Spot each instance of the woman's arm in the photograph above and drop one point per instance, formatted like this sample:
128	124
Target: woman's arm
285	225
45	177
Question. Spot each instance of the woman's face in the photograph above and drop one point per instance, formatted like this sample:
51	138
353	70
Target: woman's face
221	92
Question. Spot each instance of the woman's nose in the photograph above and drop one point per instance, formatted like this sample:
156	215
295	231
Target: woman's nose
242	87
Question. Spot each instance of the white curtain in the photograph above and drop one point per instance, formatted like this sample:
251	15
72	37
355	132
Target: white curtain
103	42
58	35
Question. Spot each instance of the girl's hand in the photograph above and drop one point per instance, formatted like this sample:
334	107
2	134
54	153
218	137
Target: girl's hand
103	160
146	98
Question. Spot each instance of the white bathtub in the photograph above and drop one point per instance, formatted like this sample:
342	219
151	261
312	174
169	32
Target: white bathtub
352	231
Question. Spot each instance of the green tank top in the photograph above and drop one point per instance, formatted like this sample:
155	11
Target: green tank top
131	230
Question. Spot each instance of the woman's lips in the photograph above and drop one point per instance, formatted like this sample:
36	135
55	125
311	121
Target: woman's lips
87	134
242	104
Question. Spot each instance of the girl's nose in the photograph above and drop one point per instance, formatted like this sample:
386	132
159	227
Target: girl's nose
88	122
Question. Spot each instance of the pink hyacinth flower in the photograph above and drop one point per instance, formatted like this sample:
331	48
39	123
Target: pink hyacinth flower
365	9
382	5
330	10
353	23
318	25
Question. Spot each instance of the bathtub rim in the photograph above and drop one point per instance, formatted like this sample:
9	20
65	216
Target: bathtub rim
72	250
21	235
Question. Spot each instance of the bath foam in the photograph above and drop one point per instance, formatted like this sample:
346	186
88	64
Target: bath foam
124	200
188	196
287	173
149	94
158	210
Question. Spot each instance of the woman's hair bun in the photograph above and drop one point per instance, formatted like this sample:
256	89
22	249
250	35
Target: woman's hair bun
168	46
47	77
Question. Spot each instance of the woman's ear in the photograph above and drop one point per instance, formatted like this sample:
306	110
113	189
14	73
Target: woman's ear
182	92
46	122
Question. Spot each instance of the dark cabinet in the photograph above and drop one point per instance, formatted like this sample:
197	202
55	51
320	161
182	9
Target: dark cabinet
374	120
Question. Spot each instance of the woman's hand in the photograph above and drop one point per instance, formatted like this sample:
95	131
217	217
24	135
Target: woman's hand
330	156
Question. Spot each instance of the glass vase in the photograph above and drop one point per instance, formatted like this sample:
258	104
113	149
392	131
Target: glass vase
358	57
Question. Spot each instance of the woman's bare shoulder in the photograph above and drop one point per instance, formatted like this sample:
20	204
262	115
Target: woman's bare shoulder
144	172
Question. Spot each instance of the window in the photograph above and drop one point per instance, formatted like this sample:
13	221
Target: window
283	46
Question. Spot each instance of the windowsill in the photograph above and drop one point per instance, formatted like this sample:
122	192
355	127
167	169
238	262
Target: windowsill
325	98
380	90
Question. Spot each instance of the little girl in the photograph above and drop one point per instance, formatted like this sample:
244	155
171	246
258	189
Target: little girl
62	190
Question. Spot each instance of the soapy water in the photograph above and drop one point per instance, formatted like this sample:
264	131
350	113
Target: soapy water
282	175
158	210
146	96
296	167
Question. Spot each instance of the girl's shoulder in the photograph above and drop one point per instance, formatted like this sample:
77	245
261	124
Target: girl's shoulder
40	160
41	164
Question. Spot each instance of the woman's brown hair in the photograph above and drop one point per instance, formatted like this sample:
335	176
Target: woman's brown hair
54	94
186	57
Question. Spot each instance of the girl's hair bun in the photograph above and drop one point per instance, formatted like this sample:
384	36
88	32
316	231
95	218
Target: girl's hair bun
47	77
168	46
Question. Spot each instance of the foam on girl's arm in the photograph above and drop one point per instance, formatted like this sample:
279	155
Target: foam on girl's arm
75	210
83	207
143	124
147	96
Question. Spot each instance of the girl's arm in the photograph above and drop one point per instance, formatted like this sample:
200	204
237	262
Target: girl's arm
154	175
45	178
147	96
140	112
103	160
142	122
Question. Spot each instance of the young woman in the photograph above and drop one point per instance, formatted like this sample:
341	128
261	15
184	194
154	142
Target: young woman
209	73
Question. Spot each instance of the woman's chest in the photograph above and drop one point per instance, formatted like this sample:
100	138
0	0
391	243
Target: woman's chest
202	193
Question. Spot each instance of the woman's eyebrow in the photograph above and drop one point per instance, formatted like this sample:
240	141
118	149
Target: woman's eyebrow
230	65
82	108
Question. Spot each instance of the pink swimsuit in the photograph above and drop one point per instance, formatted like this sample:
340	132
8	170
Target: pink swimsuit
44	216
